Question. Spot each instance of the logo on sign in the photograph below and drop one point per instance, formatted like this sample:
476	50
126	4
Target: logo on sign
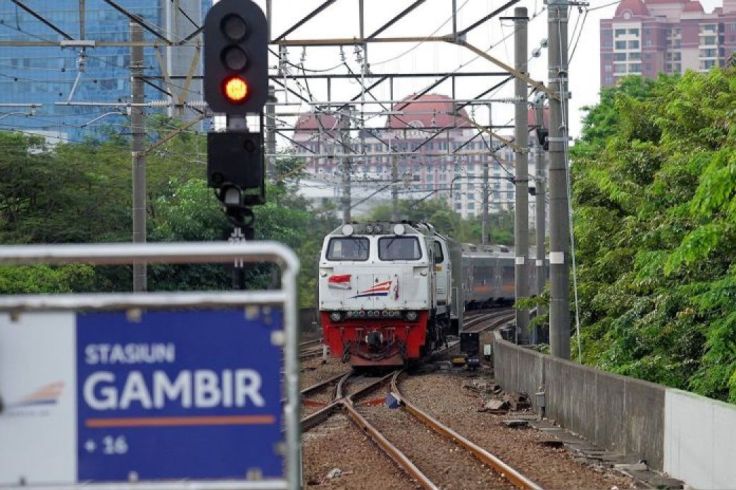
47	395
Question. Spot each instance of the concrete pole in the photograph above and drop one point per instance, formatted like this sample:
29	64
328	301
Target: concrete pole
559	225
394	188
346	166
484	223
138	131
521	138
271	132
484	227
540	216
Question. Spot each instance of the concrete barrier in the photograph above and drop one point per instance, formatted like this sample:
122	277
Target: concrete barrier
700	440
622	414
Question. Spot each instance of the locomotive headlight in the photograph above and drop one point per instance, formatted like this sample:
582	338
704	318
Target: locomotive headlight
335	316
347	230
369	228
412	315
399	229
377	228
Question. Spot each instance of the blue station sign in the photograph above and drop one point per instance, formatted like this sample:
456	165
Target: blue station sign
179	395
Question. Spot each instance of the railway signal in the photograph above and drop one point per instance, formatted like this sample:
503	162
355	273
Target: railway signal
236	85
236	58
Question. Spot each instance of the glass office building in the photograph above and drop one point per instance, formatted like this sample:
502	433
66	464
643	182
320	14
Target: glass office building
50	75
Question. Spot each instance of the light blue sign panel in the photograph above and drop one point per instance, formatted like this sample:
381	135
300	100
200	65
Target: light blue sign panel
179	395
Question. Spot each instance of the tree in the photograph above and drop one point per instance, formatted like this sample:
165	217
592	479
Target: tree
655	207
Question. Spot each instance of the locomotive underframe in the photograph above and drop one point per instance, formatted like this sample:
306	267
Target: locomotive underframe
377	342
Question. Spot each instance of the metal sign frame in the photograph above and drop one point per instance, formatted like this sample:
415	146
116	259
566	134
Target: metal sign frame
177	253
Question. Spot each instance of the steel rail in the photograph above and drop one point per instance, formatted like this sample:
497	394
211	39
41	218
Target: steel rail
316	418
384	444
494	320
318	386
482	455
309	342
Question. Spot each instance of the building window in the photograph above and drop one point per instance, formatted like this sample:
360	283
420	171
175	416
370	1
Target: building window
634	56
634	32
709	40
619	68
621	56
635	68
633	44
620	32
620	44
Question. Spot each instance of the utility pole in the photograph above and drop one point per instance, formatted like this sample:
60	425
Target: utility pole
559	224
394	188
271	132
346	164
540	214
138	130
521	137
484	223
484	228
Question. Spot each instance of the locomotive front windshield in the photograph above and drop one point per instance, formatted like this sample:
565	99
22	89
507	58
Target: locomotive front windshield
399	248
347	249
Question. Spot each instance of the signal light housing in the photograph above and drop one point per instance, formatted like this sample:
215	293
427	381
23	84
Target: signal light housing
236	58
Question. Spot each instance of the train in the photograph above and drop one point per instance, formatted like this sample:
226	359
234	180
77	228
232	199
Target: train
391	292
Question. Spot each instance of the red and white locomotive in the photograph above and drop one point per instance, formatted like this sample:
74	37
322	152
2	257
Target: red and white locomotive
385	292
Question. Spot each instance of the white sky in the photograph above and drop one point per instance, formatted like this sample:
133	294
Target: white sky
341	20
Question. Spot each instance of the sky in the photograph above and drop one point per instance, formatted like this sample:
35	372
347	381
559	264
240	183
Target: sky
341	20
433	17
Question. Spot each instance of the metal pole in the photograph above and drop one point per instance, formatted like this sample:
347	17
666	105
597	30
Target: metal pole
137	128
559	226
346	165
521	215
540	216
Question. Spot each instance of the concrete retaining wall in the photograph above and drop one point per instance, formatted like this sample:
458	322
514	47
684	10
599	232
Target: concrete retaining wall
688	436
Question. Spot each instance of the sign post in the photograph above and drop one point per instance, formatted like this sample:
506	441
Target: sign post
150	390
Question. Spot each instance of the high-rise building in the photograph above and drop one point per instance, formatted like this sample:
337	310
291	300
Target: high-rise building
439	155
49	75
665	36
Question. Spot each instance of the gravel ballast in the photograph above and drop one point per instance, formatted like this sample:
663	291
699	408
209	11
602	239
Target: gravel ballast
442	395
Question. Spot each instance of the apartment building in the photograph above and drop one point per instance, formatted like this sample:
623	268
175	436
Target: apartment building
665	36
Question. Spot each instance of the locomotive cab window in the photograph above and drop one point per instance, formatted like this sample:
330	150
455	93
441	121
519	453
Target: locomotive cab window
348	249
439	257
399	248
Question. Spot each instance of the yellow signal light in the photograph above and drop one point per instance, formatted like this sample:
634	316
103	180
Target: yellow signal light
236	89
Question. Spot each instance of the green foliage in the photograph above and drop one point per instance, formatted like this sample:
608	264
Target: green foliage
448	222
82	193
44	279
654	179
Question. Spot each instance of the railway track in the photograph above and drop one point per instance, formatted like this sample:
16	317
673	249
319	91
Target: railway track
499	467
484	321
432	465
310	348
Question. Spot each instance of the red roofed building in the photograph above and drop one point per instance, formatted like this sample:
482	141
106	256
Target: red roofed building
648	37
438	151
427	111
